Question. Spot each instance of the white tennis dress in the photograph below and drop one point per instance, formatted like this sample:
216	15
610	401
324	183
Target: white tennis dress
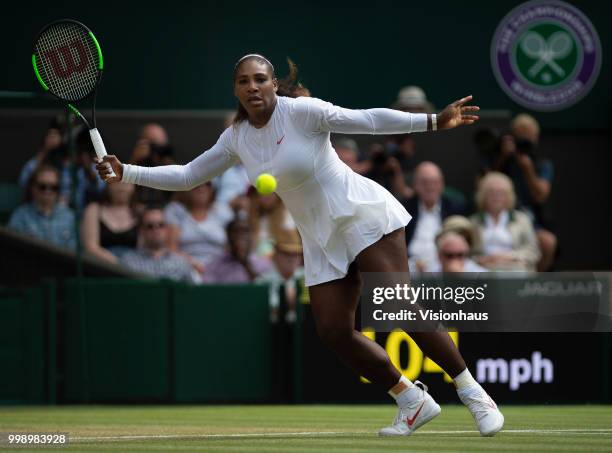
338	212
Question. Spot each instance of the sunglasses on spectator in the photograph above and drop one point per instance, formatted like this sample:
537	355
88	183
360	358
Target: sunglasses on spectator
50	187
152	226
454	255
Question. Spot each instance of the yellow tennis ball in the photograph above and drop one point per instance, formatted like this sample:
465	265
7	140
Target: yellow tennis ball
265	183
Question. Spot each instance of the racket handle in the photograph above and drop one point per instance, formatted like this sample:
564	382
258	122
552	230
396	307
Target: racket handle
98	144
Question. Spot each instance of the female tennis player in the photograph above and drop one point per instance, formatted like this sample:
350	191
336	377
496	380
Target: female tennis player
348	224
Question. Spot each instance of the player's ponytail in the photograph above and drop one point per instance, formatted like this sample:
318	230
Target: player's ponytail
287	86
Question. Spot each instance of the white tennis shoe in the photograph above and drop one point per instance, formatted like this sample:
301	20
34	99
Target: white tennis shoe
487	416
421	410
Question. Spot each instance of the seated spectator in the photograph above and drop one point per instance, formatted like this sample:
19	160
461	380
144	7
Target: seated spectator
286	271
197	225
413	99
153	257
519	158
42	216
268	219
463	226
89	185
110	227
454	254
238	264
507	239
51	140
447	245
428	208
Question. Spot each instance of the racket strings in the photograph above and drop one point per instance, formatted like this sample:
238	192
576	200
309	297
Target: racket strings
79	78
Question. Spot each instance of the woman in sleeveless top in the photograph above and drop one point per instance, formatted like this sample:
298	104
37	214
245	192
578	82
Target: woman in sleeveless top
110	227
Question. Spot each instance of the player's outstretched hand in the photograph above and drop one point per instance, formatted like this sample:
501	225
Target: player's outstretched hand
457	114
104	169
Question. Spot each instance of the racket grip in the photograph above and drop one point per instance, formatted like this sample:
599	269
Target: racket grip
98	144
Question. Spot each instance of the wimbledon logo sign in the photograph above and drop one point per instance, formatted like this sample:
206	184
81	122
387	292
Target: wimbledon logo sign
546	55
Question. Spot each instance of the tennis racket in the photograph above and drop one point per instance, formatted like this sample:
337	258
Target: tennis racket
68	63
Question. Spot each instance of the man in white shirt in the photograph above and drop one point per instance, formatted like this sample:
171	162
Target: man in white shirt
428	208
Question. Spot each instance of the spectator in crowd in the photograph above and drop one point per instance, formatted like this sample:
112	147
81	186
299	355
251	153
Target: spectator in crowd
153	257
110	228
428	208
463	226
453	254
348	152
42	216
403	148
50	141
238	264
532	175
268	218
197	225
507	240
457	235
152	149
89	185
392	164
413	99
385	168
284	275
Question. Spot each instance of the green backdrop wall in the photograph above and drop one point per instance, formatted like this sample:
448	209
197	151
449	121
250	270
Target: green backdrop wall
128	341
180	55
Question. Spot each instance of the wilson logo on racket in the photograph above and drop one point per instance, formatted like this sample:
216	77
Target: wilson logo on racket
62	59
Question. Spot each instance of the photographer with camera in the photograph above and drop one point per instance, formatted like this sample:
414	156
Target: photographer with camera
516	155
392	164
55	151
152	149
385	168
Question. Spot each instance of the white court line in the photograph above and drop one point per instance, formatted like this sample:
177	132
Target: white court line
603	431
220	436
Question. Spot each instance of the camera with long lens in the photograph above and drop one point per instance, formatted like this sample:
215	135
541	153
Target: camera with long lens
488	142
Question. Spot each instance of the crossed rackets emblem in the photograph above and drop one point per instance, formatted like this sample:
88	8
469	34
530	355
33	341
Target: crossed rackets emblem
558	46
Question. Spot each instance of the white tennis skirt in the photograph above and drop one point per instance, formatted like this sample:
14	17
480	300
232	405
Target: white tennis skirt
338	216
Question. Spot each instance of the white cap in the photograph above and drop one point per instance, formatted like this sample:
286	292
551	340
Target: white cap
412	97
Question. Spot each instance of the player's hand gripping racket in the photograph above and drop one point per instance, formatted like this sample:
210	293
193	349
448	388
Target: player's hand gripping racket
68	63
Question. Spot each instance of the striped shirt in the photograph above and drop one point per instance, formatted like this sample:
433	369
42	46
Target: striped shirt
169	265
